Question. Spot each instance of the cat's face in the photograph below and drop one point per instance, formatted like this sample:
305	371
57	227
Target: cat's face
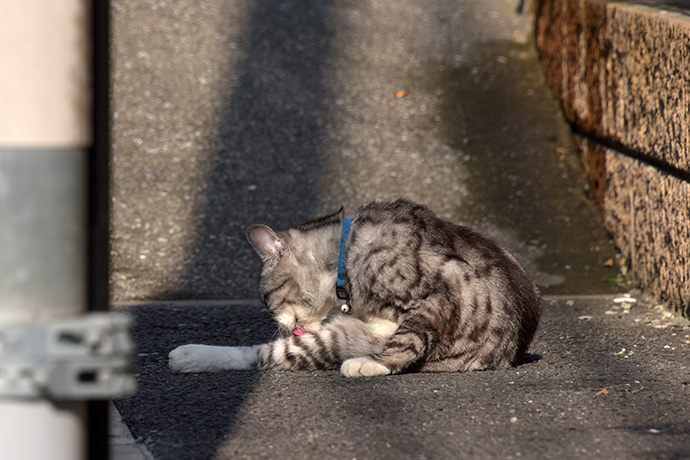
295	284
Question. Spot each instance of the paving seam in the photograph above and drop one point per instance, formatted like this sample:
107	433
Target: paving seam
235	302
123	445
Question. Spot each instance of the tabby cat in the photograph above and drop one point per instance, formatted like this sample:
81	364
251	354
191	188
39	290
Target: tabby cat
426	295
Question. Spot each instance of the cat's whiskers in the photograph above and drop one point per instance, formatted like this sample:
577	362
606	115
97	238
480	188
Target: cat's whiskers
280	332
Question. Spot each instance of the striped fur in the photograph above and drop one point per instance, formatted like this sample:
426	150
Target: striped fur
426	295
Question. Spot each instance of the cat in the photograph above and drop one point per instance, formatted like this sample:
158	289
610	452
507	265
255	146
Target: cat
426	295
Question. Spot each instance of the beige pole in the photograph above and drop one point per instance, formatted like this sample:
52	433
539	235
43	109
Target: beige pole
45	113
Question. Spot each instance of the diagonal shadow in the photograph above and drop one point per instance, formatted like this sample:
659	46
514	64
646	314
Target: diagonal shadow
518	179
269	146
268	153
186	416
269	149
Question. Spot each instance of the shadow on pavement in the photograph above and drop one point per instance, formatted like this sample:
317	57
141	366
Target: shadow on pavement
270	143
526	189
552	408
187	416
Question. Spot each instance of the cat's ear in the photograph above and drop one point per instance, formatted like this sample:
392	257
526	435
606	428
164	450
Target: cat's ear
266	242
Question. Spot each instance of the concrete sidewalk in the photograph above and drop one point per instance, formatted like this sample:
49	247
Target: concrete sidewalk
123	445
285	111
231	112
609	378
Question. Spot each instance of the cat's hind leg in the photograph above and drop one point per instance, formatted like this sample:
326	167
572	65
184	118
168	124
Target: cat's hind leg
401	351
342	338
408	346
363	367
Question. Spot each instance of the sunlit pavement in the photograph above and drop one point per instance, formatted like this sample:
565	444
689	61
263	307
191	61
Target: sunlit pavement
231	113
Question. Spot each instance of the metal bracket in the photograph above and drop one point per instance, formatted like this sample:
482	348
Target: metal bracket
82	358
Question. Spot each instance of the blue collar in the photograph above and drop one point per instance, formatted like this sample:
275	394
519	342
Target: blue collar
340	287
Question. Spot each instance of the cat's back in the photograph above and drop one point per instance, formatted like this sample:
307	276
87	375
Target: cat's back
410	235
392	223
476	296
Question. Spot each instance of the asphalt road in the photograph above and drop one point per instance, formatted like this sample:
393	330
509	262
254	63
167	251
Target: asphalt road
606	381
229	113
233	112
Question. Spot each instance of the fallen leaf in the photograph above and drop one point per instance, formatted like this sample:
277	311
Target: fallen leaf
605	391
608	263
400	94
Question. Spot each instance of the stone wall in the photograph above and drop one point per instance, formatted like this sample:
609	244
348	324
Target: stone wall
621	73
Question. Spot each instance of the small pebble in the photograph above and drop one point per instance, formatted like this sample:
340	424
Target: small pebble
625	298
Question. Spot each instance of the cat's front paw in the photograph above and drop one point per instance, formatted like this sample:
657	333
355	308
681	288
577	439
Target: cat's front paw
188	358
363	367
208	358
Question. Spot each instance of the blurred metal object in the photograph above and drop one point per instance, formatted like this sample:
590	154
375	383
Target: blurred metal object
54	360
83	358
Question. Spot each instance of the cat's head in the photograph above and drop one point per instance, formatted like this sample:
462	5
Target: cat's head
299	267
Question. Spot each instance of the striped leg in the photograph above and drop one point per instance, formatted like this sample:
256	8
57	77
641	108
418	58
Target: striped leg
410	344
338	340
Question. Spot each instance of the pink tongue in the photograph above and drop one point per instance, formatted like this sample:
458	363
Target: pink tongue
299	330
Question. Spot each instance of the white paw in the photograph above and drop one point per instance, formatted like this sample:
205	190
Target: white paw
363	367
187	358
206	358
